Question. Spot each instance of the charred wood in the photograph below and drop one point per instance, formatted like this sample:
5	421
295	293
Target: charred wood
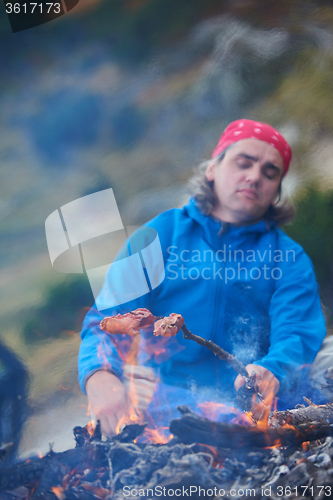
318	414
191	428
29	472
52	475
129	433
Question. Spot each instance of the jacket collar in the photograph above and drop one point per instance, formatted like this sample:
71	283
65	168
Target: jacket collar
213	228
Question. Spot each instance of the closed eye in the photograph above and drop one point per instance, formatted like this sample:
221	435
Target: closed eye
242	163
271	171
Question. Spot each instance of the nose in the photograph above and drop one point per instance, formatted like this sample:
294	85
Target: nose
253	174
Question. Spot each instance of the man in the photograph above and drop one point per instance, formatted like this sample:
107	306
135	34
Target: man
234	276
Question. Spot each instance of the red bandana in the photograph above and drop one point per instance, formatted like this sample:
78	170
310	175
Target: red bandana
249	129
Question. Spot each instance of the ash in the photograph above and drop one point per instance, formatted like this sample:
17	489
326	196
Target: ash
278	472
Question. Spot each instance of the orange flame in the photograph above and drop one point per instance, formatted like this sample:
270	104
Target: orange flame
88	410
277	444
58	491
212	411
242	419
91	426
217	461
157	435
127	348
263	408
160	349
132	354
98	491
131	417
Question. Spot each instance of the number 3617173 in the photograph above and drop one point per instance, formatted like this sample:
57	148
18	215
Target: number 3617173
31	7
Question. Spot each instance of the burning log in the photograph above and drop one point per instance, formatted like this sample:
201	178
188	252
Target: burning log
191	428
303	415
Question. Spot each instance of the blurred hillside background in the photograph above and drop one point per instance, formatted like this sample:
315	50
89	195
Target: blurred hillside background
133	94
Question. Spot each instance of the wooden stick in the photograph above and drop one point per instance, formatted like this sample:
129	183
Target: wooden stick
218	351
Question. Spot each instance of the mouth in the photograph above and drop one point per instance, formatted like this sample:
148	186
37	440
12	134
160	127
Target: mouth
249	193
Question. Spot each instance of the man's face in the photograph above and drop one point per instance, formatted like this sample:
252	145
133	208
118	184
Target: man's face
246	181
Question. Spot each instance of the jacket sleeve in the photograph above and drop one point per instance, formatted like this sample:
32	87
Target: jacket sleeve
100	351
97	350
141	264
297	322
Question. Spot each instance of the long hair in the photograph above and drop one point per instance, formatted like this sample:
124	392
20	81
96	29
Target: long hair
202	191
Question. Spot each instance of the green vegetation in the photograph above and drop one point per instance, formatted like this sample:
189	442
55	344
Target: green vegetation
313	229
62	310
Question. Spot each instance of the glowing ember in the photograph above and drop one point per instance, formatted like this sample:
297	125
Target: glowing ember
305	445
217	461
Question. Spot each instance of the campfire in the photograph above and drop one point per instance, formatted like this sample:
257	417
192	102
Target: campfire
285	454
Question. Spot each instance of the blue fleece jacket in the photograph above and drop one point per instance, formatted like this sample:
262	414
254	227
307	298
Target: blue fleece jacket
251	289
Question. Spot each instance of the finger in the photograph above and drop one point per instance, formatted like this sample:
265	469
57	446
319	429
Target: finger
108	425
240	380
258	411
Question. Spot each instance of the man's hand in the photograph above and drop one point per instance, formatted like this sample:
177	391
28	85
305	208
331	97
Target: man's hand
268	386
108	400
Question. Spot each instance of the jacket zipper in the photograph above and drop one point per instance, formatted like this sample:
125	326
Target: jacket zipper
217	314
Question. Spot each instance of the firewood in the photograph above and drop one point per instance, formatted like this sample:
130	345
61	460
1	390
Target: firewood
318	414
52	475
191	428
28	473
